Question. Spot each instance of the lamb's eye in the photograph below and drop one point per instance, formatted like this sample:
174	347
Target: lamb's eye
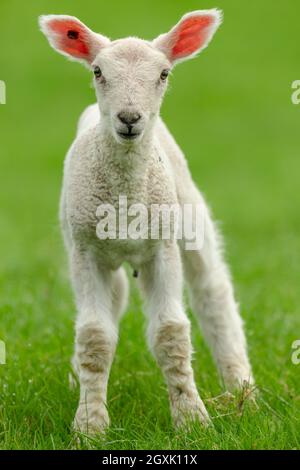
97	72
164	75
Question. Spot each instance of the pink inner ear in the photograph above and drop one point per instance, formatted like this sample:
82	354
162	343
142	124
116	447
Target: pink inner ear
191	36
71	38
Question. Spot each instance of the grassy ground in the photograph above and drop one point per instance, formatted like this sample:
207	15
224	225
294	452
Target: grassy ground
240	133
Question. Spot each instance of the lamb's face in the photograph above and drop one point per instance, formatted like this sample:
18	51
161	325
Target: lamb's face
130	79
131	74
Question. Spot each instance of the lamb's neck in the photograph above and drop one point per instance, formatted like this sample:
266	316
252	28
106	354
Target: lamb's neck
131	159
126	167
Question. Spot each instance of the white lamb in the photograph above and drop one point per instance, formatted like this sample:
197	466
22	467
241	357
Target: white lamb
124	148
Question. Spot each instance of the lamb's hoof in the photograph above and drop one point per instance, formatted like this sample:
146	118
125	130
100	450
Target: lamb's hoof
188	410
245	391
240	384
248	393
91	419
237	378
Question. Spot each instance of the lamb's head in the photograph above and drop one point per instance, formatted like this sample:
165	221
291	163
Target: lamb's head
131	75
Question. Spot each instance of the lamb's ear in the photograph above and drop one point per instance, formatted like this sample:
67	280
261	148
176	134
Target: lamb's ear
72	38
192	34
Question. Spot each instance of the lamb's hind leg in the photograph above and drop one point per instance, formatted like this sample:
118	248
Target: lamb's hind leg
213	303
96	339
120	288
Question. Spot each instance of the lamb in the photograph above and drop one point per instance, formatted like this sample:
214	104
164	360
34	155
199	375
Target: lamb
123	147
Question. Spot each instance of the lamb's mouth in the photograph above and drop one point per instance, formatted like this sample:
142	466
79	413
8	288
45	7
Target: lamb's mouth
128	136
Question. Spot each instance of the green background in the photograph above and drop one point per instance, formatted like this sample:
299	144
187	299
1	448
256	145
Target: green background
231	111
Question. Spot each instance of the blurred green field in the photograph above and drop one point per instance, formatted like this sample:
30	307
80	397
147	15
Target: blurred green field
231	112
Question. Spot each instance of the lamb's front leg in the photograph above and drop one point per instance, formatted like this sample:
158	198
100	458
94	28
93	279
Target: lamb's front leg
96	338
169	333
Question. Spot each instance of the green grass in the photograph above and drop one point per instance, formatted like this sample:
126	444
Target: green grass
231	111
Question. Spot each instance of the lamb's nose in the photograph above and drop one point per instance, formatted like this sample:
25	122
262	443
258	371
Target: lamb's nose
129	118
